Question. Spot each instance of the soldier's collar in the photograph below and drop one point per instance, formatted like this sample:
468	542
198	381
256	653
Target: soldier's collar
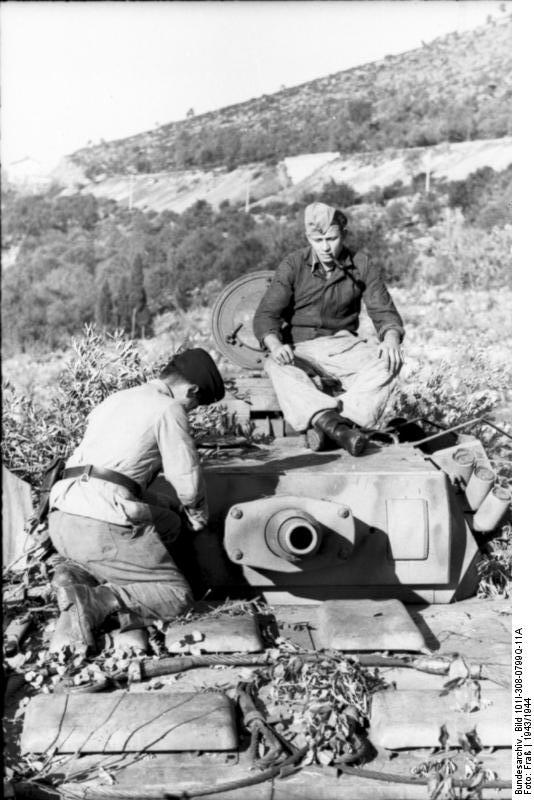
345	259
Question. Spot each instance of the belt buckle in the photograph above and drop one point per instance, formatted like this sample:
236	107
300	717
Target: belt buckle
86	473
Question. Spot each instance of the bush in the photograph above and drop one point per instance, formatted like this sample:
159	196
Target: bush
454	392
333	193
34	434
484	197
467	258
53	288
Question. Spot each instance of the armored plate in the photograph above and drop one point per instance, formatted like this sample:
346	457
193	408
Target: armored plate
367	625
219	635
231	320
120	722
246	538
412	719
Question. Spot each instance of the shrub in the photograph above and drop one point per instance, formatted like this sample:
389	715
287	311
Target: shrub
33	434
484	197
467	258
454	392
100	364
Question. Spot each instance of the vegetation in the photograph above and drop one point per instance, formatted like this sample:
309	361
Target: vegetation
323	706
453	89
33	433
81	260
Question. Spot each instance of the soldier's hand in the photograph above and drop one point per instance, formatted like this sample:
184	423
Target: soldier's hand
283	354
391	351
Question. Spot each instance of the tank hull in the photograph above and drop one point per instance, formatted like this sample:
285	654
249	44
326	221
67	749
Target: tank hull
411	538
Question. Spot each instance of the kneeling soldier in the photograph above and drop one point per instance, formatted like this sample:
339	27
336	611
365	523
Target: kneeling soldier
114	534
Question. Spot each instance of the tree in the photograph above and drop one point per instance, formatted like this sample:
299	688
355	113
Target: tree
140	314
359	110
104	307
337	194
123	311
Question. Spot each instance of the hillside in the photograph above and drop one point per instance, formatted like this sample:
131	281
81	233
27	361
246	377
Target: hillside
68	260
456	88
153	225
294	177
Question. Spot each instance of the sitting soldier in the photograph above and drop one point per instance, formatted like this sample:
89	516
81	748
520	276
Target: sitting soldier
309	318
116	536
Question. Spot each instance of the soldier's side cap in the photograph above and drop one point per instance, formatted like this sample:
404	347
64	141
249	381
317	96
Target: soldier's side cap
197	366
318	217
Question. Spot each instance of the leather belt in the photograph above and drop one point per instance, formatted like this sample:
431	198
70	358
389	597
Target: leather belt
109	475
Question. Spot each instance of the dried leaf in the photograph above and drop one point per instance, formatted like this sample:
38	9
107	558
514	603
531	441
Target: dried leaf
458	669
106	777
443	737
433	785
476	780
16	661
448	686
325	757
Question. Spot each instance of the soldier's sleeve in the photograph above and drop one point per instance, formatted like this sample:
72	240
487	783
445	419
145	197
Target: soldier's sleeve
378	301
181	463
276	300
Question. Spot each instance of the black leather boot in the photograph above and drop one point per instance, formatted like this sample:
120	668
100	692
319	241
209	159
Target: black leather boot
67	573
88	607
342	431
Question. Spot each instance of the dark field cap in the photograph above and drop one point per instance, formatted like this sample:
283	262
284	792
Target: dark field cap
197	366
319	217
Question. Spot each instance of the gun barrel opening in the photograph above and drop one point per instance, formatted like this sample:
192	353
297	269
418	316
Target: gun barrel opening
293	534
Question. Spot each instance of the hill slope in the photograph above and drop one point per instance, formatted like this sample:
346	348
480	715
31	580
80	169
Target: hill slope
292	178
456	88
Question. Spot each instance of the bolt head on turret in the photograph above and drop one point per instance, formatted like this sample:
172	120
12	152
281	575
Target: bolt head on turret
236	513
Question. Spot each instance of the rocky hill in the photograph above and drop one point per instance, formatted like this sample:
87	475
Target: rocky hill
453	89
293	178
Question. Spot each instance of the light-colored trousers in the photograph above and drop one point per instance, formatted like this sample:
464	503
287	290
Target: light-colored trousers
353	361
133	561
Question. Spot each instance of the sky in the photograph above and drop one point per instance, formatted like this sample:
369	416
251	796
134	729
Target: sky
85	71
